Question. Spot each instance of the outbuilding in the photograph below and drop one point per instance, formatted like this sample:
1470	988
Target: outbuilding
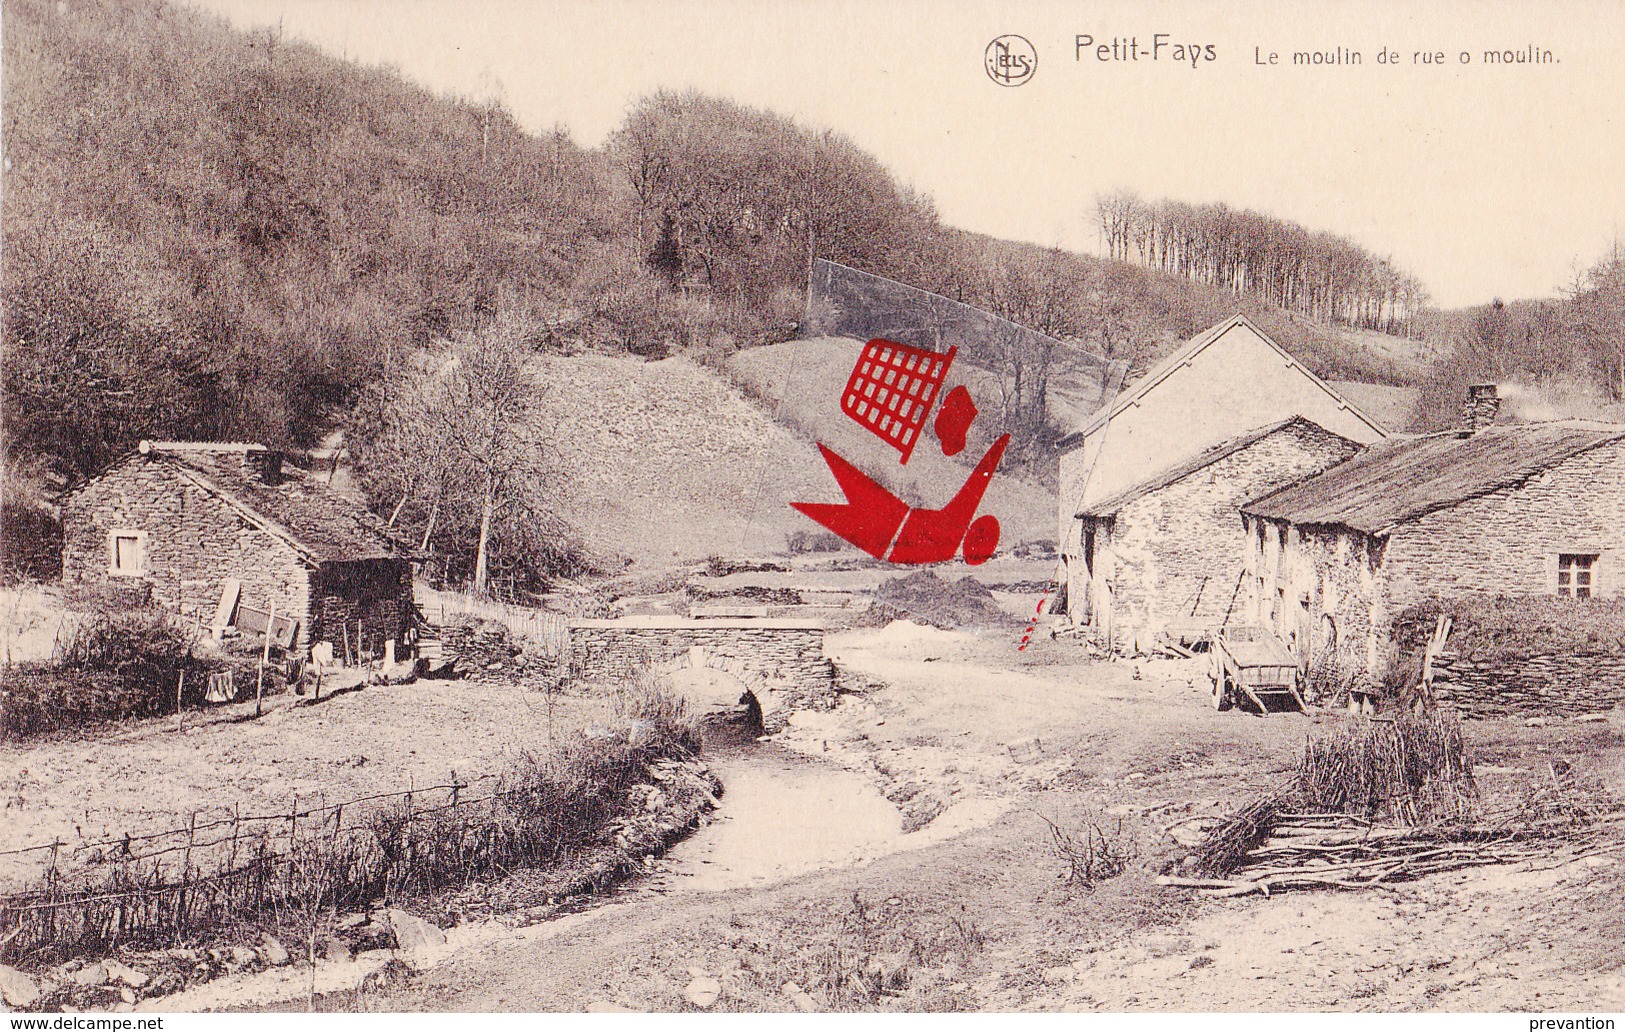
228	534
1488	510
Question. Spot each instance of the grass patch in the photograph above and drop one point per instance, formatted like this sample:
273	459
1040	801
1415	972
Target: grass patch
589	796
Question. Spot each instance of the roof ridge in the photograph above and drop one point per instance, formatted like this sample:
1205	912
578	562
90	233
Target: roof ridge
1189	350
1382	487
1201	460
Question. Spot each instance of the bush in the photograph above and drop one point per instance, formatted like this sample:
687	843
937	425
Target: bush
1505	628
112	667
30	544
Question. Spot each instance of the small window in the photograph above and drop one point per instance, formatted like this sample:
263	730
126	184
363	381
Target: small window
1576	575
127	553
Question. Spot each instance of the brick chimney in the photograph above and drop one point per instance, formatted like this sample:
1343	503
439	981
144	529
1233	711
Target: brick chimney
1479	408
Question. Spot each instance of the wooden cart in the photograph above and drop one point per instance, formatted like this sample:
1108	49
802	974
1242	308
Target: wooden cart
1250	665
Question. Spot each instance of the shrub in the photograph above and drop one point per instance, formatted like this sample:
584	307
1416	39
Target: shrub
111	667
1094	852
30	543
1503	628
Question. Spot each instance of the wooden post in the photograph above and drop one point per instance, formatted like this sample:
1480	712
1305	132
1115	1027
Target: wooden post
265	657
186	874
180	715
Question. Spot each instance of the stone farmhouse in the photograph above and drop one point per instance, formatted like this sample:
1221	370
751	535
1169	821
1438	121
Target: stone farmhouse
1525	509
227	533
1150	489
1163	556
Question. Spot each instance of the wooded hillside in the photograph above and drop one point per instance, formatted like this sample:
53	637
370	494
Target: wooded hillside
213	234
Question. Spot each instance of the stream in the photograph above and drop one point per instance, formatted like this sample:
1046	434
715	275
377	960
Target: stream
783	814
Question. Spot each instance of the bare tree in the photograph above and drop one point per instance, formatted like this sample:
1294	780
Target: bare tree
484	408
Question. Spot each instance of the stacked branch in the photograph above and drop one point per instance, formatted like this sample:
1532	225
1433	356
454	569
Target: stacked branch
1381	803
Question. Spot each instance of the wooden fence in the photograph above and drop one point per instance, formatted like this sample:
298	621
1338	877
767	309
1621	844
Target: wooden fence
549	630
306	861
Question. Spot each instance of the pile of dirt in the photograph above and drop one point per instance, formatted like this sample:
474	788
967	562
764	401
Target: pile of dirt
949	605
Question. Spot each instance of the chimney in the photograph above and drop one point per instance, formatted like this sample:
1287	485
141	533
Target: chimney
1479	409
264	465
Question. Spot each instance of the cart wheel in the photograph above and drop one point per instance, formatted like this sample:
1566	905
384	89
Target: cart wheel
1221	692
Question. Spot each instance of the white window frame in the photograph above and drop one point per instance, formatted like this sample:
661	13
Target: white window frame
1573	567
113	568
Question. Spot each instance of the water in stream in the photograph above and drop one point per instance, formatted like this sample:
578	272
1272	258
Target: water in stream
782	815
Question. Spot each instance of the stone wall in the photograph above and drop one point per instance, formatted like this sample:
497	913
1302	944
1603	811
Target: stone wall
1565	684
193	543
781	661
374	595
1178	550
1507	542
1326	583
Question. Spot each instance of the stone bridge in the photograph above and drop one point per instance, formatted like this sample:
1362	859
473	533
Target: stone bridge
780	662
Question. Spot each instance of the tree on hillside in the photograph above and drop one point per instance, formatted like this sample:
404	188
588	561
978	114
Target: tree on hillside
1597	309
1318	275
457	447
735	202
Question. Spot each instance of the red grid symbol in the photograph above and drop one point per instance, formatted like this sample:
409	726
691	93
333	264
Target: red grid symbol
892	389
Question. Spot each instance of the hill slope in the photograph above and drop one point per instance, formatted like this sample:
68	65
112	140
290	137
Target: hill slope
667	461
213	234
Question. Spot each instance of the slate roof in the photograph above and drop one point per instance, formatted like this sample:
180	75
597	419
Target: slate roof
1184	353
320	523
1200	461
1399	480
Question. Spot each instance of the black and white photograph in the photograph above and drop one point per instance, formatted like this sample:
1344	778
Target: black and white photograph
808	507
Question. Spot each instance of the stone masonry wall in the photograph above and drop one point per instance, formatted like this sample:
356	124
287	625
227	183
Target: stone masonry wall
1569	684
1502	543
1179	550
784	658
1507	542
374	595
1326	583
193	543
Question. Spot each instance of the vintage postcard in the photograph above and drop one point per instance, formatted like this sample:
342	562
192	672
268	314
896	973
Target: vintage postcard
807	507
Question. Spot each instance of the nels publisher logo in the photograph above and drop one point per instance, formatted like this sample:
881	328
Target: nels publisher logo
1010	60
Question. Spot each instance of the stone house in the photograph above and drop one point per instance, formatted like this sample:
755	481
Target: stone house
1225	384
1164	555
225	533
1508	510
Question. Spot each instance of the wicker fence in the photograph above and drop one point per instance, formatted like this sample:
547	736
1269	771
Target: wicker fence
163	885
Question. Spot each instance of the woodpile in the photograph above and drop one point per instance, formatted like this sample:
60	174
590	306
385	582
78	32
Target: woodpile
1338	850
1382	802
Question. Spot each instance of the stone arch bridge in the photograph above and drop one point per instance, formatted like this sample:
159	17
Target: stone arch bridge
780	662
